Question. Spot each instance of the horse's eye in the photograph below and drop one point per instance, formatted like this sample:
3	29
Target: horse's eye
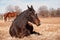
36	14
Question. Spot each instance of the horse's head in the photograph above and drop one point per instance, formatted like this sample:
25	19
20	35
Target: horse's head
33	16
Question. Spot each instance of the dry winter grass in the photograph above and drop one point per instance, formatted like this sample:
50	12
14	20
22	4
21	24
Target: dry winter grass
49	30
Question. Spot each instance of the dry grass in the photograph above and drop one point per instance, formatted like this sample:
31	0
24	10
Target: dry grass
49	30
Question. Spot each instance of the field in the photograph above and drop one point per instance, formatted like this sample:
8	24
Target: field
49	30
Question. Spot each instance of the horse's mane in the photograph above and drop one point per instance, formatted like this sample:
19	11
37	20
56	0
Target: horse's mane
21	14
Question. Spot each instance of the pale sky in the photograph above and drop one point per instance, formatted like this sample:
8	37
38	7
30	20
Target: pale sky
23	4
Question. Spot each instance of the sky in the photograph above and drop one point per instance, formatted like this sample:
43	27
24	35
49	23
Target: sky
23	4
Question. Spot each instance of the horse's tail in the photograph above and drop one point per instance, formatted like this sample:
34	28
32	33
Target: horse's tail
5	17
12	31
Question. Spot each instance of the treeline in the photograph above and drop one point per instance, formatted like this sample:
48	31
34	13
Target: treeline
11	8
45	12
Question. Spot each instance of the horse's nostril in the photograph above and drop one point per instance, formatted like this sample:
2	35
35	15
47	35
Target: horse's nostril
39	24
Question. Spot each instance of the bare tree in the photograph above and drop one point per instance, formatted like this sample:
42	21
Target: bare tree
9	8
17	9
43	11
58	12
52	12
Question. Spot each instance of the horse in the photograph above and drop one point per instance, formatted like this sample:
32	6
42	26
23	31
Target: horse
10	15
21	27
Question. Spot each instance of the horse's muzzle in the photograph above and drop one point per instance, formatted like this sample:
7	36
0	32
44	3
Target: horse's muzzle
39	24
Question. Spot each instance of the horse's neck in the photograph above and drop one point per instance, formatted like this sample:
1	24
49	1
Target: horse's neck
22	20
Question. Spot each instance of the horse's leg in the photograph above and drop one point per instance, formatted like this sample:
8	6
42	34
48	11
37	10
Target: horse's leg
7	18
24	32
30	27
3	19
35	33
27	32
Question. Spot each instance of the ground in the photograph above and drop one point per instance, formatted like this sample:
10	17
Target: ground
49	30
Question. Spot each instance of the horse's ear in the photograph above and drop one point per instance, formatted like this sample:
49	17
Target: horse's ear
31	6
28	7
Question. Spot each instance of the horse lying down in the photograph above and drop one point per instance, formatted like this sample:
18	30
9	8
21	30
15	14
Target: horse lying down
26	32
20	26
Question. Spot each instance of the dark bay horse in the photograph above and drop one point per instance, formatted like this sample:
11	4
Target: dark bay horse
10	15
21	27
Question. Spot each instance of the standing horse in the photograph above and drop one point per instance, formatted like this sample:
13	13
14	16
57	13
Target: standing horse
10	15
20	26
